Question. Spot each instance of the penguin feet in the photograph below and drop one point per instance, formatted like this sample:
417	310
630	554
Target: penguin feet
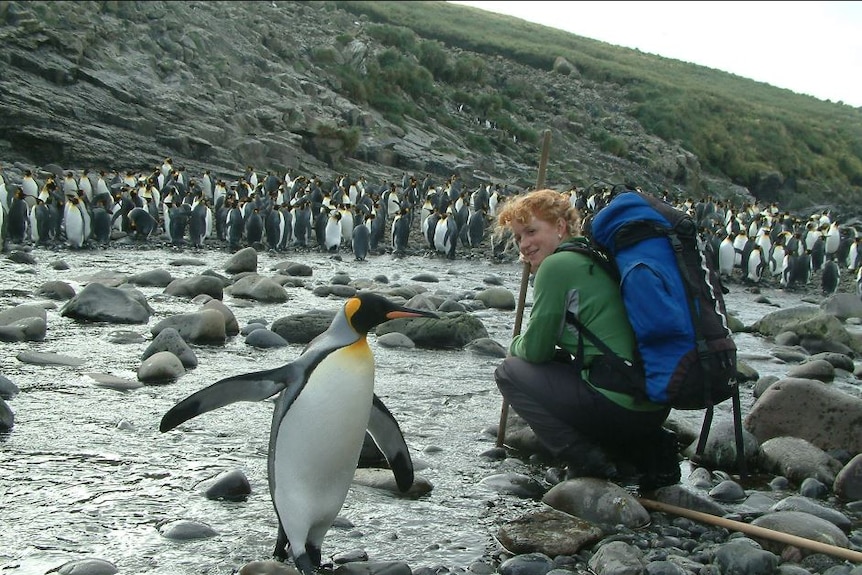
308	562
303	563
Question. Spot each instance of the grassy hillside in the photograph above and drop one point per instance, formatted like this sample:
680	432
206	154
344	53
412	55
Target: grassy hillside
770	140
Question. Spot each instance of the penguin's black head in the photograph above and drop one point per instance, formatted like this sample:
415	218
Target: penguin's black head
367	310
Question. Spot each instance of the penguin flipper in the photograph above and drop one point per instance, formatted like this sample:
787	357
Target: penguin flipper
386	433
255	386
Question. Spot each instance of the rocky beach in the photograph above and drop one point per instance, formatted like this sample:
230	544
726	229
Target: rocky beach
91	486
101	334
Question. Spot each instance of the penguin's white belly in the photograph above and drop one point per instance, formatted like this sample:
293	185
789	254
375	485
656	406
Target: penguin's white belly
333	234
319	441
74	224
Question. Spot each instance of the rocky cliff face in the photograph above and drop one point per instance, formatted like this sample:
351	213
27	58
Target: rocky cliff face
221	85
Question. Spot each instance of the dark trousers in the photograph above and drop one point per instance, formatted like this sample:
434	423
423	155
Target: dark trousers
565	412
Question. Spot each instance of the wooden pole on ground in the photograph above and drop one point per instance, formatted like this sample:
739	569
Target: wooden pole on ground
525	281
754	530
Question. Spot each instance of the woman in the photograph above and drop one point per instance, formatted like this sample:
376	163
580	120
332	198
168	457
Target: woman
575	419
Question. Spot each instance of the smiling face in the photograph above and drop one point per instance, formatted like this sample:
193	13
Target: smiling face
537	239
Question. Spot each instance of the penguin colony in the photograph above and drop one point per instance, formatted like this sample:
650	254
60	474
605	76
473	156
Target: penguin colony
751	243
278	213
325	405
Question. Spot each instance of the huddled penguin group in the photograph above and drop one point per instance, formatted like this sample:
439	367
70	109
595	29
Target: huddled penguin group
326	405
272	212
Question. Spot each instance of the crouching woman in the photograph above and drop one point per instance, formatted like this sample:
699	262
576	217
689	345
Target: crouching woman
560	383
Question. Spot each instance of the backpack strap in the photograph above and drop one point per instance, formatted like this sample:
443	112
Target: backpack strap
630	384
630	380
700	340
601	258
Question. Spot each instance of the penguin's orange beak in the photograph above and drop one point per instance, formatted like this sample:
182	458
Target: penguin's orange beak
409	313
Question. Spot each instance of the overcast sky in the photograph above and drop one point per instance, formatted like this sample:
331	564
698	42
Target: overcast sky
812	48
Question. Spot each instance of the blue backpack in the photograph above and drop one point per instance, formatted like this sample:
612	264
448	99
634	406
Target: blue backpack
673	298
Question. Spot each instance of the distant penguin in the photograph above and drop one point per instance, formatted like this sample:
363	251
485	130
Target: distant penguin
271	183
794	244
73	223
101	222
198	224
86	185
812	234
220	219
234	228
29	186
17	228
177	224
802	268
400	233
776	259
40	224
854	254
763	240
361	241
208	187
426	210
326	405
332	231
378	231
740	240
254	227
70	185
141	223
167	167
462	216
441	234
830	277
726	257
476	228
429	228
5	196
319	227
832	239
787	267
347	222
302	224
219	194
273	227
818	254
287	232
755	265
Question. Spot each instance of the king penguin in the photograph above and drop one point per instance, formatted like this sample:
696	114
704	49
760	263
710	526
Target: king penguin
726	257
326	405
361	241
74	225
830	278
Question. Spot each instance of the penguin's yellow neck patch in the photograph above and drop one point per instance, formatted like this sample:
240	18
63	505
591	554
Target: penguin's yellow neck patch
352	306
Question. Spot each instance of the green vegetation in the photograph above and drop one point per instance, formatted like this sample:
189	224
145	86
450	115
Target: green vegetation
746	130
349	138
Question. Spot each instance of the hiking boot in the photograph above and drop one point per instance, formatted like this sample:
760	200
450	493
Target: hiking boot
590	462
662	469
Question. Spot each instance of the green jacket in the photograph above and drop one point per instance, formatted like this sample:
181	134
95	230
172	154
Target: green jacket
573	280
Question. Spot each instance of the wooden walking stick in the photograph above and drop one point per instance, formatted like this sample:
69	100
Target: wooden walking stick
525	281
755	530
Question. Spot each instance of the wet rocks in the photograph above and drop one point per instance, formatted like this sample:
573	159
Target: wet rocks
97	302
